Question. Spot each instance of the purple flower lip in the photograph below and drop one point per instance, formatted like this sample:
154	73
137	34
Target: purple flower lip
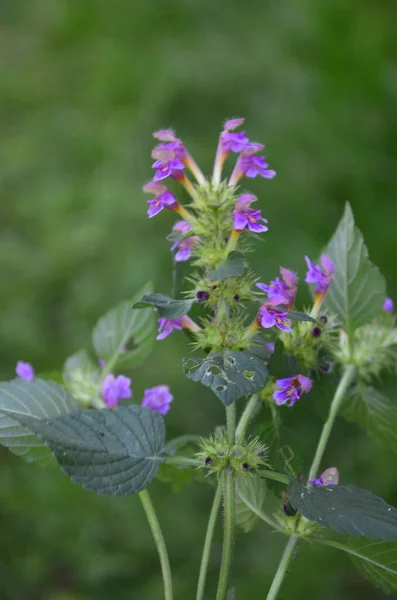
169	160
158	398
163	199
321	276
245	217
25	371
388	305
270	315
292	389
330	477
184	248
115	389
250	165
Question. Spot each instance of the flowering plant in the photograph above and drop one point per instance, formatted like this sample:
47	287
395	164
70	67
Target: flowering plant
257	354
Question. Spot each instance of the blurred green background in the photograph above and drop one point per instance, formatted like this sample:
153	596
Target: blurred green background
83	85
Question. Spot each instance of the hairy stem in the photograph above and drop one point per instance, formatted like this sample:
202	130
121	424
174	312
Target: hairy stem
282	568
229	500
251	408
160	543
208	543
340	392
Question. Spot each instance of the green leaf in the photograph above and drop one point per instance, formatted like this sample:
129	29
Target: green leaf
230	374
122	327
36	399
346	509
376	561
374	412
178	478
358	289
80	361
295	315
109	451
181	442
233	266
251	496
169	308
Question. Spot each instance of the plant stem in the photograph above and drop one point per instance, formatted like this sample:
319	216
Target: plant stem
340	392
229	499
282	568
250	409
275	476
208	543
160	543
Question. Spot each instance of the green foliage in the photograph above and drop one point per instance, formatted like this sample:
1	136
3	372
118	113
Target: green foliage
296	315
233	266
376	561
251	490
109	451
78	361
358	289
124	336
169	308
35	400
229	374
374	412
346	509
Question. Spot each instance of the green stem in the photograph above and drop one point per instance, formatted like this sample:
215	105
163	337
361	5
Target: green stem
344	383
208	543
282	568
160	543
183	461
251	408
229	509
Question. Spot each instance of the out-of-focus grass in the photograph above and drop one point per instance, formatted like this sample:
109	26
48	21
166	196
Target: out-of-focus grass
83	85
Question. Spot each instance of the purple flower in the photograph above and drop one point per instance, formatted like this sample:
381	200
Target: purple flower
165	135
245	217
292	389
163	199
25	371
270	316
321	276
167	326
182	227
285	288
115	388
158	398
271	346
328	478
184	248
388	305
169	160
250	165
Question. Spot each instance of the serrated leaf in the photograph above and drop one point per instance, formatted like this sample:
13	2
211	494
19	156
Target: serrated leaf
376	561
233	266
251	494
374	412
109	451
229	374
345	509
296	315
169	308
37	399
358	289
122	327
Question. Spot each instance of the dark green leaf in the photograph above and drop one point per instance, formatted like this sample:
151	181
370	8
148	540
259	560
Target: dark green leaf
358	289
233	266
122	328
36	399
374	412
346	509
110	451
300	316
230	374
376	561
251	494
169	308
